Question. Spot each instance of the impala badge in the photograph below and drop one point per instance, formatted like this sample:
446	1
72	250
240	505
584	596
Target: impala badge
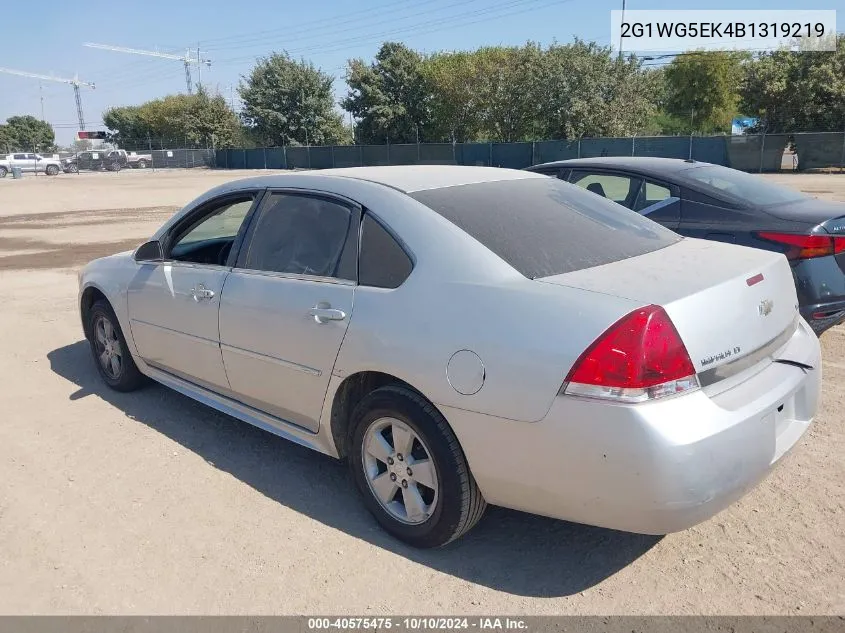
765	307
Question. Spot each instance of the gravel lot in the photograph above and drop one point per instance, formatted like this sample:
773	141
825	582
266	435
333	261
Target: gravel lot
150	503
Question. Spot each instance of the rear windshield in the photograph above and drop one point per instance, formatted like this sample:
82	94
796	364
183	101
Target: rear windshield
745	187
544	226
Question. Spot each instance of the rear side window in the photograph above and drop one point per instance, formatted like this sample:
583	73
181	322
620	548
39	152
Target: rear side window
544	226
299	234
650	194
383	263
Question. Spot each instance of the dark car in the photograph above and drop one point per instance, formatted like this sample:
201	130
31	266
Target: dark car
718	203
110	160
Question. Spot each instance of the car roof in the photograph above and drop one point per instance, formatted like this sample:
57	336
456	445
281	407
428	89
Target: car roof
648	165
405	178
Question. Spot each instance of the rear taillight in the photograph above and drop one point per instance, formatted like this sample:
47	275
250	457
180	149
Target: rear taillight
805	246
640	357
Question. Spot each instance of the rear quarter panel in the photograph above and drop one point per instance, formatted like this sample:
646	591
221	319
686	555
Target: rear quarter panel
526	334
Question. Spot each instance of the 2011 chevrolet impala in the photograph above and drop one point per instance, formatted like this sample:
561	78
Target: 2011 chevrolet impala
470	335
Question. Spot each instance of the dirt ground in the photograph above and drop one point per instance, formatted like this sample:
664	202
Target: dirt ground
150	503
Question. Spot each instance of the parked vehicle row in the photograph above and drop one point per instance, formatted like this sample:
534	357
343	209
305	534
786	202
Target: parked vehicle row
29	163
109	160
470	335
725	205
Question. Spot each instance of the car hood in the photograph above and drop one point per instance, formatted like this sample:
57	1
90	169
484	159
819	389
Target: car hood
811	210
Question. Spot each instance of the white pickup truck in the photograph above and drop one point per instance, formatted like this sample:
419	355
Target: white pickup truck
33	163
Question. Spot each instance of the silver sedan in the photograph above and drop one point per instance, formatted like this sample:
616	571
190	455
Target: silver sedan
469	335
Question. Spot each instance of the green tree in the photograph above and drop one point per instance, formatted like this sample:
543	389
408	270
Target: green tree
210	121
797	91
508	91
289	102
390	98
26	133
582	90
703	88
5	140
456	102
198	119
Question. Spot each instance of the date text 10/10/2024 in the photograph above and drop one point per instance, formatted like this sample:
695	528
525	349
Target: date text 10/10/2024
417	624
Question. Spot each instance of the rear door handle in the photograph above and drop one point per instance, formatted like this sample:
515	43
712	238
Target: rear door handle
324	315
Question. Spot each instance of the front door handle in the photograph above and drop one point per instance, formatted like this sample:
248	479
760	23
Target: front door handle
201	292
324	314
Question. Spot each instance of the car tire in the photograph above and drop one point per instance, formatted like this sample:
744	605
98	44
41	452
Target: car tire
141	164
452	505
72	169
51	170
3	172
107	340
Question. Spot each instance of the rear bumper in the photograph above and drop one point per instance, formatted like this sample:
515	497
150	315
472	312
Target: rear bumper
820	284
823	316
651	468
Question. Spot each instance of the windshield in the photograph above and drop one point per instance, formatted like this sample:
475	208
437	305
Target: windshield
746	187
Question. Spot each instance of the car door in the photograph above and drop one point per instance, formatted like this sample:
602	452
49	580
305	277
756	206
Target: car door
286	305
19	161
173	304
709	218
658	200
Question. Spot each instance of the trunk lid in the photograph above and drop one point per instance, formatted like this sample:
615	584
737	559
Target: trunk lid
726	301
826	213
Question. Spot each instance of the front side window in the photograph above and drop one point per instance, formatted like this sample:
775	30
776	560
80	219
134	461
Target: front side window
209	239
20	157
621	189
301	235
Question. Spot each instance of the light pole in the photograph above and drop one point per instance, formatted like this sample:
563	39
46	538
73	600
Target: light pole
620	29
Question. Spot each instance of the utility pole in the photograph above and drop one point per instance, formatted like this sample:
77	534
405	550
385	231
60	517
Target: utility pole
232	96
187	59
41	96
199	70
620	29
75	82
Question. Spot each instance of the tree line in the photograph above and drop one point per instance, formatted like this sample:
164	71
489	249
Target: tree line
26	134
507	94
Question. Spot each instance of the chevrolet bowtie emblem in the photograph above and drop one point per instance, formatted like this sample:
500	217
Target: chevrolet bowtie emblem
765	307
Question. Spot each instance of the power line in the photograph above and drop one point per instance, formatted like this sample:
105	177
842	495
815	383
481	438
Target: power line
320	31
445	23
286	29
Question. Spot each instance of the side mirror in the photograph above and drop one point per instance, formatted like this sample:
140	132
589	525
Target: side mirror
149	252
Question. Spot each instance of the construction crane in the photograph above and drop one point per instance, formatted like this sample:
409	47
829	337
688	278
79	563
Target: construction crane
75	82
187	59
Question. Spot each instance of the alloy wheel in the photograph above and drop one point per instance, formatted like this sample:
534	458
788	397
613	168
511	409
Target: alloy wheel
400	471
109	350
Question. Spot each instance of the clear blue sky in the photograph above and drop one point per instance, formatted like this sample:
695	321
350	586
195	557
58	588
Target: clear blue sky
48	38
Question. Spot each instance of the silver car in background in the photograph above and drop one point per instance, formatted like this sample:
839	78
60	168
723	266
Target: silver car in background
466	335
29	163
